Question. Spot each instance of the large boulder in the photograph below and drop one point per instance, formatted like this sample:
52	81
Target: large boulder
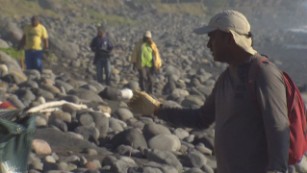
11	32
86	95
13	67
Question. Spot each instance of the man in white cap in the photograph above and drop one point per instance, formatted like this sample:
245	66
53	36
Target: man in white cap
146	59
250	137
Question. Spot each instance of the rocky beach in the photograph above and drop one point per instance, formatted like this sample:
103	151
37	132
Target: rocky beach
106	136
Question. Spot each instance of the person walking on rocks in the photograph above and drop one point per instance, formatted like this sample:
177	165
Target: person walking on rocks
35	43
249	137
146	59
102	46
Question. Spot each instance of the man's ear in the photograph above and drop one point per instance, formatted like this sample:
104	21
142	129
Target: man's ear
230	38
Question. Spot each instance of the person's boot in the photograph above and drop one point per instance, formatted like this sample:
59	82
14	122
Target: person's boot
108	80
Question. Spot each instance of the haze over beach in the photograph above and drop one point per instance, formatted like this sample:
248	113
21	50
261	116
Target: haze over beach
291	47
106	136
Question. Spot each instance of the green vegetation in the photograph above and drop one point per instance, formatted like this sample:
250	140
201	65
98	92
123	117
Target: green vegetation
23	8
14	53
26	8
19	55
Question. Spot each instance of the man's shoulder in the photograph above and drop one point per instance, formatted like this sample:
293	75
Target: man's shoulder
153	44
268	65
268	70
41	26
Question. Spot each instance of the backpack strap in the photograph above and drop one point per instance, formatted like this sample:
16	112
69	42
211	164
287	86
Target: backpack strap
290	84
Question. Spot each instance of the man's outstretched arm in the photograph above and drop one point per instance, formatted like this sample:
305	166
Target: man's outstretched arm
195	118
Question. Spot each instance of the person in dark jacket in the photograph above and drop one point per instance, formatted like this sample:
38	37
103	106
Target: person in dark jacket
249	138
102	47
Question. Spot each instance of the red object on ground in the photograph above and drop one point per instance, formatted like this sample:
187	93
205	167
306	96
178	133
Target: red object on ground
7	105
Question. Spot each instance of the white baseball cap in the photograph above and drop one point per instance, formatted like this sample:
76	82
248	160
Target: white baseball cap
148	34
234	22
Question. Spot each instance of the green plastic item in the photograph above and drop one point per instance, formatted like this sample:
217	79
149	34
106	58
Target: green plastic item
16	135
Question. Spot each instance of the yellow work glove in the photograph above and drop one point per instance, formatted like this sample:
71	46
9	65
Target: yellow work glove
143	103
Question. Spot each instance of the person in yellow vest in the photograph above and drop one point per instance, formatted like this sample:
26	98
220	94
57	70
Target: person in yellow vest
146	59
35	42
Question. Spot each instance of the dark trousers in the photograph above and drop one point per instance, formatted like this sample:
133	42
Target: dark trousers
103	65
34	59
146	79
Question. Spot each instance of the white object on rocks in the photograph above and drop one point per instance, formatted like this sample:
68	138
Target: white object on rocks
49	105
48	110
126	94
107	114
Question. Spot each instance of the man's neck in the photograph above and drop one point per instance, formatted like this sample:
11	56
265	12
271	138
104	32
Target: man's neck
34	26
240	57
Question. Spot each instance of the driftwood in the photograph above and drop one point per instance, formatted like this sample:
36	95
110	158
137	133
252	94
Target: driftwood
48	110
49	106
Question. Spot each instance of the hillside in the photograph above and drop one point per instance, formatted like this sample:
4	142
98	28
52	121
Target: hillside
171	21
91	11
